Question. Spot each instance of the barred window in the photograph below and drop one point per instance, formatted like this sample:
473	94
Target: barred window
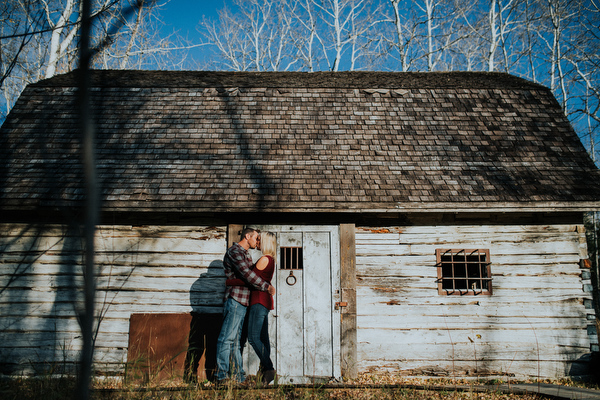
290	258
464	272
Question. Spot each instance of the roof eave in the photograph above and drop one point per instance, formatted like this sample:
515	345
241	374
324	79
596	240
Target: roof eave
415	207
325	207
583	206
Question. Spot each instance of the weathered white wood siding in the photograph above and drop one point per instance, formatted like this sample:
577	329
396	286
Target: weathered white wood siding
537	322
149	269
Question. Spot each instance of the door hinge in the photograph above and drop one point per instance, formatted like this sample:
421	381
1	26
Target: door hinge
339	304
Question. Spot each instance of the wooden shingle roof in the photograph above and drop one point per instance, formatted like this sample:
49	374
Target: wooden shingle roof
345	141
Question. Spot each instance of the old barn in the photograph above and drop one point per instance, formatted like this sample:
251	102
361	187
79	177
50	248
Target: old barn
428	223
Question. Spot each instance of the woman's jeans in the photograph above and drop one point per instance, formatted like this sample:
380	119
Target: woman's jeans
229	356
258	334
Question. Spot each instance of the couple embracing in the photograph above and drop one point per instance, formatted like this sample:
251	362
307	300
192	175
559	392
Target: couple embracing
249	294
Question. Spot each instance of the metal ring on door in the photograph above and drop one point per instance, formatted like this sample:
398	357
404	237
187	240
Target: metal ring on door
293	280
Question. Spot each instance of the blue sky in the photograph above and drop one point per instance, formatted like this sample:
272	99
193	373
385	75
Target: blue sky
184	15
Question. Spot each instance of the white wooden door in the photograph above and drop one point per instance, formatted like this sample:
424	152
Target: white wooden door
305	325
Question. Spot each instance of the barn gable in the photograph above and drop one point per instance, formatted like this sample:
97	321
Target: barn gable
386	170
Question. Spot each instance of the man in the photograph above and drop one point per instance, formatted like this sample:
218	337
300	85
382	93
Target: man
237	264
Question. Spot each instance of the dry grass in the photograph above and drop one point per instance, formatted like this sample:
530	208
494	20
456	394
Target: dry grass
394	379
367	386
318	394
386	386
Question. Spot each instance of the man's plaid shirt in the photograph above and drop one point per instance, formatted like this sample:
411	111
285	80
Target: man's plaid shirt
238	264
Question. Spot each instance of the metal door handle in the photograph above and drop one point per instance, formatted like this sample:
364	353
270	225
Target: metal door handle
291	279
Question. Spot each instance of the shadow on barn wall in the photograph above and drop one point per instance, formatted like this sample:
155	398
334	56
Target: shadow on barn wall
206	299
42	248
41	253
261	184
40	298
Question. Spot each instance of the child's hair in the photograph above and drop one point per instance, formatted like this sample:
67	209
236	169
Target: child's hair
268	243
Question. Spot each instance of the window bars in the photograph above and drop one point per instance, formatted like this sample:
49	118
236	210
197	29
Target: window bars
463	272
290	258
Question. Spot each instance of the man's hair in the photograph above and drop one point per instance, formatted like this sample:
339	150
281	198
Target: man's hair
246	231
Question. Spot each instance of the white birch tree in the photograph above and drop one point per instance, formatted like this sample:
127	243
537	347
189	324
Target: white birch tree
63	32
428	7
556	18
345	23
228	36
38	40
494	34
256	38
307	38
405	33
403	36
138	42
16	22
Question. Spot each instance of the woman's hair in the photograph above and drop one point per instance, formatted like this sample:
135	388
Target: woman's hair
268	243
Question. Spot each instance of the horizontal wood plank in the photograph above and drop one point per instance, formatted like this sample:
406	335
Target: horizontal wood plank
536	311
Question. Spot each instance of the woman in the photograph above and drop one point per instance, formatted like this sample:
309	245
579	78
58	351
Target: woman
260	305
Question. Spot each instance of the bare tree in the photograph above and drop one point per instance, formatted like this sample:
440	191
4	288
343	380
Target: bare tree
228	37
258	14
18	47
87	316
281	39
402	39
558	15
64	21
424	33
494	34
62	32
530	37
583	60
260	36
492	29
138	42
240	38
39	37
12	20
439	29
467	53
401	26
501	18
346	23
271	27
307	37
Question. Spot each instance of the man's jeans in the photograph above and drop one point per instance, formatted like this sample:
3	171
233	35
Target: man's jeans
229	356
258	334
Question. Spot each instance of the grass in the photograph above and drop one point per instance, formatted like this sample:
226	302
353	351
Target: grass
386	386
367	386
317	394
28	391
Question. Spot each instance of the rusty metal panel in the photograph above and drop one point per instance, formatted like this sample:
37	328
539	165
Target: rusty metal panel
173	346
157	346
